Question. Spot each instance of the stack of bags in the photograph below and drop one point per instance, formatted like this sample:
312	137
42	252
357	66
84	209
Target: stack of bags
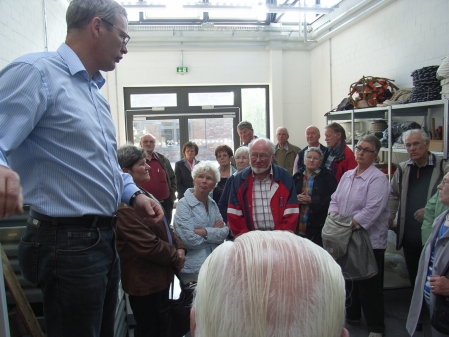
426	86
443	75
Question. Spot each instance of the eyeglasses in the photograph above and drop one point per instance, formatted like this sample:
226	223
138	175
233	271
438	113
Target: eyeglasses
260	156
414	144
444	182
364	149
223	155
126	38
241	157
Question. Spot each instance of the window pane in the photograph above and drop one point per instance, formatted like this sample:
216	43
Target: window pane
153	100
254	109
211	98
166	132
208	133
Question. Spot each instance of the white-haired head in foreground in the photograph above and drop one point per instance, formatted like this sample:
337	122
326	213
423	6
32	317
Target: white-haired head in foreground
269	283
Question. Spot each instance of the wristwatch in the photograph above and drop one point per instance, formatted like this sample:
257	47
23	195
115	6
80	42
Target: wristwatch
133	197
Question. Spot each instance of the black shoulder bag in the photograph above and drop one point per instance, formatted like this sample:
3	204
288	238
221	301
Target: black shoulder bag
174	315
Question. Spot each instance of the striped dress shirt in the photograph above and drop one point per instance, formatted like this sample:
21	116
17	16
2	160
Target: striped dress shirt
57	133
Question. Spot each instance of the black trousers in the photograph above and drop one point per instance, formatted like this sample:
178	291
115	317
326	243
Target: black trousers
167	205
145	310
368	295
412	253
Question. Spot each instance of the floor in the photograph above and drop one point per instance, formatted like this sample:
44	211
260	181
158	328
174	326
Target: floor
397	303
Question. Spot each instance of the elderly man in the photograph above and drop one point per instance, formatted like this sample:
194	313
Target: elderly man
57	133
263	195
246	132
285	152
269	284
313	140
338	158
162	183
413	184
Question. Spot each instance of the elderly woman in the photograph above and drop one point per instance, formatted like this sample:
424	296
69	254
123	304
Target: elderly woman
363	194
198	222
431	280
223	153
241	161
314	187
184	167
149	254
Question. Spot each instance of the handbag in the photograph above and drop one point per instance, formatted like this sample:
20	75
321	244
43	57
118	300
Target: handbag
174	314
440	315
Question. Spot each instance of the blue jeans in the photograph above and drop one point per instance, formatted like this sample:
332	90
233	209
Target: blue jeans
78	270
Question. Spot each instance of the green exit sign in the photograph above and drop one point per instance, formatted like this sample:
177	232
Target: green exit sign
181	69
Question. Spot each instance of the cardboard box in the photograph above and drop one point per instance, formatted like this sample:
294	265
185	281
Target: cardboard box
436	145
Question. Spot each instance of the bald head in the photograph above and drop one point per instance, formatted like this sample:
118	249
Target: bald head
269	283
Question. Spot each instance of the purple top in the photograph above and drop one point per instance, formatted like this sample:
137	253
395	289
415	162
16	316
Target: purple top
365	197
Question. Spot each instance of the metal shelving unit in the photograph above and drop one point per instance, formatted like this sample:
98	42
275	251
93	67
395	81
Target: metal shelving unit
388	113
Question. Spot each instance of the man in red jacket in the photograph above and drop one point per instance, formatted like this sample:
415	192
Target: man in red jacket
338	158
262	196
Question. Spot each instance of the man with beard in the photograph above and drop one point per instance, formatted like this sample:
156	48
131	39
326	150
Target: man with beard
262	196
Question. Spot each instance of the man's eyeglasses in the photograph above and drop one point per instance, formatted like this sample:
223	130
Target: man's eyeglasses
364	149
126	38
260	156
444	182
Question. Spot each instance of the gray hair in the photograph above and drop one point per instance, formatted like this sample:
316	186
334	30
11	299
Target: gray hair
282	128
266	141
242	283
373	140
128	155
313	149
244	125
81	12
425	137
204	167
241	150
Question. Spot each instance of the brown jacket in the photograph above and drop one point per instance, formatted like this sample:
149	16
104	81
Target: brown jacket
146	257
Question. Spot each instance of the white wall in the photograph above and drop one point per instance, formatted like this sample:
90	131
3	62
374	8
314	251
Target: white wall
22	27
285	71
405	36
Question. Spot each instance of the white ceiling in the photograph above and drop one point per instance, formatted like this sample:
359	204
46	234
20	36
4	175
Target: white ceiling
198	25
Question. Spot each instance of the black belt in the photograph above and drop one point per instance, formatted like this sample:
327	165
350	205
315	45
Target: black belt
85	220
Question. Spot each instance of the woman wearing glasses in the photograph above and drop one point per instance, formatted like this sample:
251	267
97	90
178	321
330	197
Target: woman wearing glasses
363	194
314	187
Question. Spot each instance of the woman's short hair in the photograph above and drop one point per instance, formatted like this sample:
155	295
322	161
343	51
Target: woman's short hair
313	149
205	167
269	283
128	155
373	140
241	150
190	144
223	148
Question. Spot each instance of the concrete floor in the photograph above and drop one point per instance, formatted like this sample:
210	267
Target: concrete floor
397	303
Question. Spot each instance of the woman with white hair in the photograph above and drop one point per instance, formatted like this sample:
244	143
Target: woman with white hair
198	222
269	283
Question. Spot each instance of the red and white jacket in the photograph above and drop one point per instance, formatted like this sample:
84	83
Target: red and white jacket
283	202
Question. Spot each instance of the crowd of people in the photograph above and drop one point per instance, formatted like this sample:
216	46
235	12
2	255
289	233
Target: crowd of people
248	229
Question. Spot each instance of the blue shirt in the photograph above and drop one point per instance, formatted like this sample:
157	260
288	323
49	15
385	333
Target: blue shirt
57	133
